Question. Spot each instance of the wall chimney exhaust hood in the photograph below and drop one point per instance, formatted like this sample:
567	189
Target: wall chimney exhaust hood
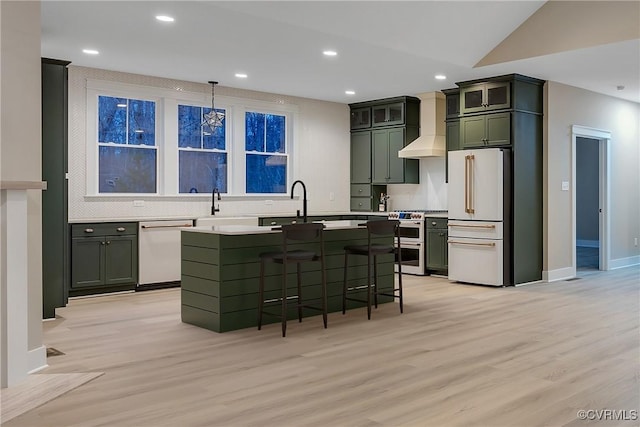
431	142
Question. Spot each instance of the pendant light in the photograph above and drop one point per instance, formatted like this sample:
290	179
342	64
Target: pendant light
213	119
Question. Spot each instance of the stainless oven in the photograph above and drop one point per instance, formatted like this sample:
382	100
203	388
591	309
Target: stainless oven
413	240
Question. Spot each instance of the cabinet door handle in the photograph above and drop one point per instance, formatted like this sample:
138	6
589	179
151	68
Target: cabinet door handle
120	229
88	230
433	223
102	243
108	242
274	223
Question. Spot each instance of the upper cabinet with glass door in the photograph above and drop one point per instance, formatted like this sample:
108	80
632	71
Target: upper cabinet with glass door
485	96
360	118
388	114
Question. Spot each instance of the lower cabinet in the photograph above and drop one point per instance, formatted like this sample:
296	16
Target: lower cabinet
437	247
104	257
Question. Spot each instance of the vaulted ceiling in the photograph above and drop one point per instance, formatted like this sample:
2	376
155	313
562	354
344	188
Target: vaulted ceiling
384	48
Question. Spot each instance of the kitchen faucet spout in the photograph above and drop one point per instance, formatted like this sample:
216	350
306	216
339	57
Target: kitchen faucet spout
304	199
213	201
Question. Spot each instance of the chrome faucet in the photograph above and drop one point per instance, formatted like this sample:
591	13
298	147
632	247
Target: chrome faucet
304	199
213	201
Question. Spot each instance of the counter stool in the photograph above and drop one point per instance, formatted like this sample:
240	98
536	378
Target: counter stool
299	233
371	251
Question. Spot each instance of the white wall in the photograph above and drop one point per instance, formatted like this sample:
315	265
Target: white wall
566	106
21	136
320	152
430	193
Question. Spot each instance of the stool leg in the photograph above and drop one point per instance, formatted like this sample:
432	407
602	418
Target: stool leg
344	285
324	291
299	279
284	299
375	278
369	286
400	288
261	294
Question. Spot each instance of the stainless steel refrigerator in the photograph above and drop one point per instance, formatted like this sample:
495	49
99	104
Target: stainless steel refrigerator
479	200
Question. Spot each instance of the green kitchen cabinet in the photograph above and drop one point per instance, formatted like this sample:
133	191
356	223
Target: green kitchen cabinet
437	246
55	227
392	123
361	157
452	125
360	118
386	166
387	114
487	96
486	130
104	258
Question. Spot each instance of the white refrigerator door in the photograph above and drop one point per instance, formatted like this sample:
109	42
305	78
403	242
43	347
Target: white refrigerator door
477	261
476	184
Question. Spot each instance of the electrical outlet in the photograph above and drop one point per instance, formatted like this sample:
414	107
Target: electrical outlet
138	203
268	202
635	241
332	196
565	185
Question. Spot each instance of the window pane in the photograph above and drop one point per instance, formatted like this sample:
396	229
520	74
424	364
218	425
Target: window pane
201	172
266	174
112	119
217	138
142	122
189	126
254	125
127	170
275	133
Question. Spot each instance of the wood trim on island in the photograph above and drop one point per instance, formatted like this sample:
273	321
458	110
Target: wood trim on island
220	274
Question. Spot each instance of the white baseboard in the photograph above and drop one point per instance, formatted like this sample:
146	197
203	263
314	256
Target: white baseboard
624	262
559	274
588	243
37	359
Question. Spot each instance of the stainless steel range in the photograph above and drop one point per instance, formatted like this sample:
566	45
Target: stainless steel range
413	239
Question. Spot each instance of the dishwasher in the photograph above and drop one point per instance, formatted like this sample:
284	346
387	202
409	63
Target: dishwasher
159	253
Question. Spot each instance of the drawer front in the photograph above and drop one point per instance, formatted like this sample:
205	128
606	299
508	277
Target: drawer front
476	261
475	229
361	204
437	222
360	190
104	229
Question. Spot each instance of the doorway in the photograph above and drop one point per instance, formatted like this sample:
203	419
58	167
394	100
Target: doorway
587	204
590	199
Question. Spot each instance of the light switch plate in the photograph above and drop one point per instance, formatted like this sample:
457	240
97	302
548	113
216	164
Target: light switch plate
138	203
565	185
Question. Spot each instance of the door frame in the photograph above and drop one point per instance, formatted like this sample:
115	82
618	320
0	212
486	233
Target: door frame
604	142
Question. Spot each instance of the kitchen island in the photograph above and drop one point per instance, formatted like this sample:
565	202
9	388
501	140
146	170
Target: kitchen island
221	270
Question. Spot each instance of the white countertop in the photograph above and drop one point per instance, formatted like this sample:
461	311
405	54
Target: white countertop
257	229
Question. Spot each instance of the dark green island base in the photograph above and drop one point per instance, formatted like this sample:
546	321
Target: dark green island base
221	270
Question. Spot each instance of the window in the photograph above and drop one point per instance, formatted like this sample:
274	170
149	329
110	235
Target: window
145	141
202	154
266	156
127	152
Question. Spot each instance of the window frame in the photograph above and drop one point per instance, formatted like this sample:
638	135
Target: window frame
166	128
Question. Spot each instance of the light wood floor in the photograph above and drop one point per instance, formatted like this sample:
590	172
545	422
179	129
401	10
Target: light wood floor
460	355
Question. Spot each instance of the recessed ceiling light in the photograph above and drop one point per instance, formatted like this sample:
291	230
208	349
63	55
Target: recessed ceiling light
440	77
330	53
350	92
241	75
90	51
164	18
